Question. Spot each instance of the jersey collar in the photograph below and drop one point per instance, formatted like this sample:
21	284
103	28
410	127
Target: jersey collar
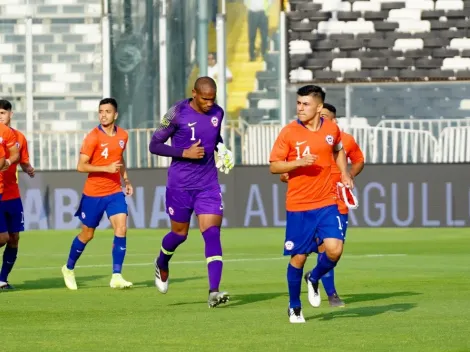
101	129
301	124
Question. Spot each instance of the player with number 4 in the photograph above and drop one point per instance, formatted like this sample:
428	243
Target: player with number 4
102	157
306	149
194	126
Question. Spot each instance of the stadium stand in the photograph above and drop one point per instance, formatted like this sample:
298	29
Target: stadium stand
66	62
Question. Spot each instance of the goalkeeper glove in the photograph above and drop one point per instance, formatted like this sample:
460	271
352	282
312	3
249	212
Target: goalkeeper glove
225	160
348	196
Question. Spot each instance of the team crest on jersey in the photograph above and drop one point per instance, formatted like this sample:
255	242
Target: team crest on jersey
122	144
330	139
18	145
171	211
215	121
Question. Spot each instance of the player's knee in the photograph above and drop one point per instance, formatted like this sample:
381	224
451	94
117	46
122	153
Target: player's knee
298	260
13	240
180	228
120	230
86	235
4	237
334	252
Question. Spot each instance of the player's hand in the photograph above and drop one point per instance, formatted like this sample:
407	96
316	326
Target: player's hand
307	160
284	177
6	165
194	152
347	180
129	190
225	161
30	171
114	167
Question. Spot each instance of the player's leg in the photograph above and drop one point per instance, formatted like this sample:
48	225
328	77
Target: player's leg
4	237
299	241
90	211
116	210
208	206
329	233
14	217
179	208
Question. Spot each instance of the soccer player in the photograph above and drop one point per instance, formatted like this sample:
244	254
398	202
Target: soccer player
101	156
355	155
12	207
9	146
306	149
194	127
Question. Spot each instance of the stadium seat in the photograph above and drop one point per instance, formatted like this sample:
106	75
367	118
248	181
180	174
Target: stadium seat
346	64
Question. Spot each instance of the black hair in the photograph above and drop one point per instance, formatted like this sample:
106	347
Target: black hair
5	105
314	91
111	101
204	82
330	108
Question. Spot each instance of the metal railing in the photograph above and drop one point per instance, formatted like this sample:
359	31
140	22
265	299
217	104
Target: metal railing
251	145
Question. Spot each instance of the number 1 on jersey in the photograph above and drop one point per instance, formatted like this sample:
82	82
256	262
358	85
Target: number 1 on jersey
305	152
104	153
193	134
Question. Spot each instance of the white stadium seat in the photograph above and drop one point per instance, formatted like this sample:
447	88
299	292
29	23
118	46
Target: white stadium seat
356	27
331	27
414	26
424	5
408	44
397	15
299	47
346	64
456	64
363	6
460	43
336	6
449	5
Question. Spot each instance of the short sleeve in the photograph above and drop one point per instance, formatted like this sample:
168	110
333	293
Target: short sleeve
24	153
355	154
281	147
337	145
89	144
9	138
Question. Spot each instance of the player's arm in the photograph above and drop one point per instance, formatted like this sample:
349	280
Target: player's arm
24	159
10	143
279	154
85	166
166	128
2	157
125	178
341	160
357	160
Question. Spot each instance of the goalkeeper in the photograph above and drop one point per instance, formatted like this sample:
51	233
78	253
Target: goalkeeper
194	126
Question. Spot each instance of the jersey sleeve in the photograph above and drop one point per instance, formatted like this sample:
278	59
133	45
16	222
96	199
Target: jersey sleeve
89	144
2	151
355	153
281	147
24	153
337	144
166	128
10	138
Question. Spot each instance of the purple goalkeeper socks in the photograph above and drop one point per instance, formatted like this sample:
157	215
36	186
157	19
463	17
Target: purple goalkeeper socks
213	252
169	244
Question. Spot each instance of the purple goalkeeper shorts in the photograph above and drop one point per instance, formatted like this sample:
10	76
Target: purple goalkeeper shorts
180	204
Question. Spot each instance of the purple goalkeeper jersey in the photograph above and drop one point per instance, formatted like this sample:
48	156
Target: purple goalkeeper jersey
185	126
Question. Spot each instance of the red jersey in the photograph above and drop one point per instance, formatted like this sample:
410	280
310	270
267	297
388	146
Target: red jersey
354	154
10	176
308	187
103	150
8	140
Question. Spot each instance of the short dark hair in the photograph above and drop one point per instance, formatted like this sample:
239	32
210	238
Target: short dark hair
329	107
5	105
214	54
204	82
314	91
111	101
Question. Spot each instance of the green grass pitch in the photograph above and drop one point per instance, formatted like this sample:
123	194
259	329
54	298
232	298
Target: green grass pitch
405	290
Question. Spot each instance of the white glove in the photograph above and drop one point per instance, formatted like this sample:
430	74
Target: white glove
225	160
348	196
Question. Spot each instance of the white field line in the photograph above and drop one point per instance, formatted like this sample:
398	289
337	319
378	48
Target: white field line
235	260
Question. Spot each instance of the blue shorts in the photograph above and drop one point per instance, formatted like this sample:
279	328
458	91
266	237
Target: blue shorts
91	209
344	223
306	230
12	216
